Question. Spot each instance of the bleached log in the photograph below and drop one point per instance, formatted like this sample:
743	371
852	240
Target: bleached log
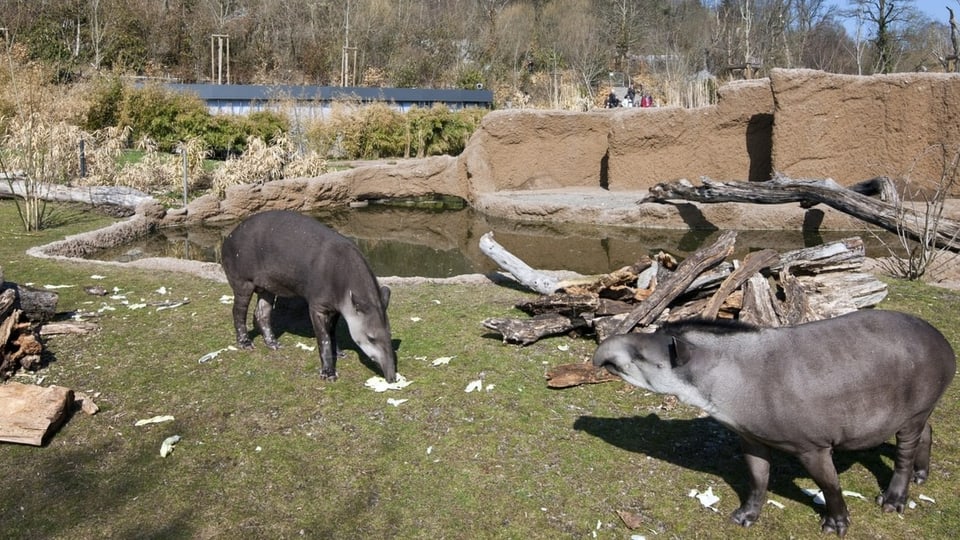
834	294
839	256
117	200
68	327
534	280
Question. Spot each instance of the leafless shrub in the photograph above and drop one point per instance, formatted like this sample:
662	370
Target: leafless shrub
39	153
912	258
263	162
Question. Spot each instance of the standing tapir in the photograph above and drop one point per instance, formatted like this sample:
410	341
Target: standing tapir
847	383
286	254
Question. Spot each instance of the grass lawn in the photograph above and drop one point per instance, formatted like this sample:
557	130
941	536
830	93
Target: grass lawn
269	450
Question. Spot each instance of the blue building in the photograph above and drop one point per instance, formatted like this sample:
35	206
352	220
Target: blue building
314	101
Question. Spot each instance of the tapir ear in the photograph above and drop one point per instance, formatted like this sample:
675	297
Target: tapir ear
353	301
680	352
385	296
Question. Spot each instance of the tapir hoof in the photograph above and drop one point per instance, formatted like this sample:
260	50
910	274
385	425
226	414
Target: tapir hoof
920	476
245	344
831	524
273	345
744	518
329	375
892	503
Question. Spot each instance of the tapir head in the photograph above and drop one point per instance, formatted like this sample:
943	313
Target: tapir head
645	360
366	318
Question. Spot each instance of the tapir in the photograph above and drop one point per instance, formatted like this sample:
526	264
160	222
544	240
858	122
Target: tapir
281	253
847	383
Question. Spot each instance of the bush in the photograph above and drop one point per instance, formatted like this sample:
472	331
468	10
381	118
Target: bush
105	102
163	116
167	118
378	131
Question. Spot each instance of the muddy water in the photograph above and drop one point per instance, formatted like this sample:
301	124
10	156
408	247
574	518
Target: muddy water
407	242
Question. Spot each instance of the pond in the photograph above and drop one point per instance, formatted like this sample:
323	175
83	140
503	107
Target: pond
444	243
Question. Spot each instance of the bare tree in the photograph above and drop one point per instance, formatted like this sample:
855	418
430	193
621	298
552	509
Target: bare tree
883	18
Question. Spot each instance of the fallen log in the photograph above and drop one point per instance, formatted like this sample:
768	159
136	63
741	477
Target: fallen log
752	263
529	277
688	270
119	201
527	331
766	289
894	217
758	307
58	328
567	375
37	305
839	256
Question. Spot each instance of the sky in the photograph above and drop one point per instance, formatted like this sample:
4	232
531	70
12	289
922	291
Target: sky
936	10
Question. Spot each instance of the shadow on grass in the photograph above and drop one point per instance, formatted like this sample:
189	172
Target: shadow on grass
704	445
66	490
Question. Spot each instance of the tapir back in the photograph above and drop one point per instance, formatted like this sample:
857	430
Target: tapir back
293	255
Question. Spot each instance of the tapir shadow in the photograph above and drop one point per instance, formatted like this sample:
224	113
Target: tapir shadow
291	315
704	445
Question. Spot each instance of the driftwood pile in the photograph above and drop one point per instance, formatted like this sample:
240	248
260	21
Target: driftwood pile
766	288
30	413
22	310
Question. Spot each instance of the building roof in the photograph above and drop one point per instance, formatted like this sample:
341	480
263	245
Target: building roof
403	97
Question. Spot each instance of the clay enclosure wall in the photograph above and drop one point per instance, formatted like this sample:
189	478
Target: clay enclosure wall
799	123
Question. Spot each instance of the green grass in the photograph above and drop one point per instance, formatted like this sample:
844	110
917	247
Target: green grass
270	450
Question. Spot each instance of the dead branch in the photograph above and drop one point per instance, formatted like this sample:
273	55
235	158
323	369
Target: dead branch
893	217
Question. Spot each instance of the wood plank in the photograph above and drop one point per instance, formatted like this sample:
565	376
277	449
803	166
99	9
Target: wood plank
29	413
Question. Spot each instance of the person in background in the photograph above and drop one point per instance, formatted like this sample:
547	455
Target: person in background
612	101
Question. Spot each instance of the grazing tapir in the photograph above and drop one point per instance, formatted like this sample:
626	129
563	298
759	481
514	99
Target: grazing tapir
286	254
846	383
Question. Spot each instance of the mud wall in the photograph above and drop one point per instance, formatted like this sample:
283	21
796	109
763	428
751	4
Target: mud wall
852	128
801	123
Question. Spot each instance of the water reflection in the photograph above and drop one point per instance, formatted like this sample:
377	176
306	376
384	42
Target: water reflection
408	242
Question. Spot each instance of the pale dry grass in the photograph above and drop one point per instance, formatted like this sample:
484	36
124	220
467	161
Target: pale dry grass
262	162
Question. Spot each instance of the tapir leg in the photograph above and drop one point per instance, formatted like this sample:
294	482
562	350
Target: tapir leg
241	303
263	315
819	463
324	327
921	461
909	444
757	457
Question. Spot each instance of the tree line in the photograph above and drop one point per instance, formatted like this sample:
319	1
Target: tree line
547	52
